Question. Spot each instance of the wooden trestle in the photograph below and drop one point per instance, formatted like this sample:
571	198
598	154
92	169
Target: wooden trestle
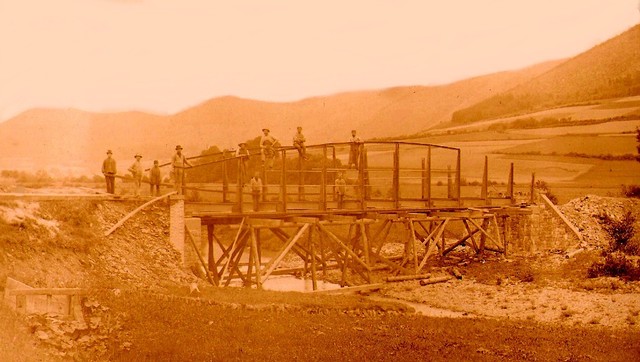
417	191
350	243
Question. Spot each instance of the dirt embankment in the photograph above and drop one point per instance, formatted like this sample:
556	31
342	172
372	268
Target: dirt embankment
61	244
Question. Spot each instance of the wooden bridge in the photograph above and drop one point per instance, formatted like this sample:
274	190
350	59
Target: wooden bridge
414	187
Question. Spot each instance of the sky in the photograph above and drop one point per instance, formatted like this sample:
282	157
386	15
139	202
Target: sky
163	56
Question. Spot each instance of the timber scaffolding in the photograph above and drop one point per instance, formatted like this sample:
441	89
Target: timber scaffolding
415	185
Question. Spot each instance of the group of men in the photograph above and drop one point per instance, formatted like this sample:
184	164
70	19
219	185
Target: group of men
268	147
178	162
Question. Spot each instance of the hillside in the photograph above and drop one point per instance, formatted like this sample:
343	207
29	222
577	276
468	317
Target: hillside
609	70
73	140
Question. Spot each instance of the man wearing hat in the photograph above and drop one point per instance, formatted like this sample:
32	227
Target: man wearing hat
354	151
136	172
298	143
109	171
179	163
267	148
155	178
243	153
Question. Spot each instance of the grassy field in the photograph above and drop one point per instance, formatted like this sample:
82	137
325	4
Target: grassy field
584	144
214	333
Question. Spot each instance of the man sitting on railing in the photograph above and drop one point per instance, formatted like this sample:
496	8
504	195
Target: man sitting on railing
298	143
267	149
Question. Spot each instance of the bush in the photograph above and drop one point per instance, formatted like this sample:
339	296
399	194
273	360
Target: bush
618	258
622	231
543	186
615	264
631	191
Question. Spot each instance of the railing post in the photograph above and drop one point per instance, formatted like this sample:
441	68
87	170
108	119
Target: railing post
458	180
532	198
428	178
225	178
396	176
510	184
323	180
239	196
484	193
300	180
361	177
283	182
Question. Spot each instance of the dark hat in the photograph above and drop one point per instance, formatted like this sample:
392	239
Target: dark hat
242	143
265	129
155	161
109	152
137	155
178	147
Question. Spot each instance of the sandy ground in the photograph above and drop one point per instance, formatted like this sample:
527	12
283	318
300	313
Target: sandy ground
523	301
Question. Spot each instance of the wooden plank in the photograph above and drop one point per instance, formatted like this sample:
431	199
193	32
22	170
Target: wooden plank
129	215
343	246
204	266
273	263
233	245
435	280
357	288
559	213
403	278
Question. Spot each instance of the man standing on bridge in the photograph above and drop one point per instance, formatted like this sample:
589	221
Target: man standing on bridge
155	179
179	163
267	149
109	171
136	171
354	152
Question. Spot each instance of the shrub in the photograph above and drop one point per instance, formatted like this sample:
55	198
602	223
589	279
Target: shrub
622	231
543	186
631	191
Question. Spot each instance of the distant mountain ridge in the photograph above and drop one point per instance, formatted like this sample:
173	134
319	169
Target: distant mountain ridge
75	139
608	70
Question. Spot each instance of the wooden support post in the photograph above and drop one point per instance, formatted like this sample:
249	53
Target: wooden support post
211	259
449	183
343	246
193	243
251	262
312	250
485	181
414	245
283	182
256	259
532	197
129	215
458	180
323	180
300	180
423	180
233	245
396	176
273	263
510	184
365	250
241	176
429	177
225	178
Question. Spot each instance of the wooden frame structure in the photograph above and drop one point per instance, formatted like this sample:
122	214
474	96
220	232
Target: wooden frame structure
415	185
